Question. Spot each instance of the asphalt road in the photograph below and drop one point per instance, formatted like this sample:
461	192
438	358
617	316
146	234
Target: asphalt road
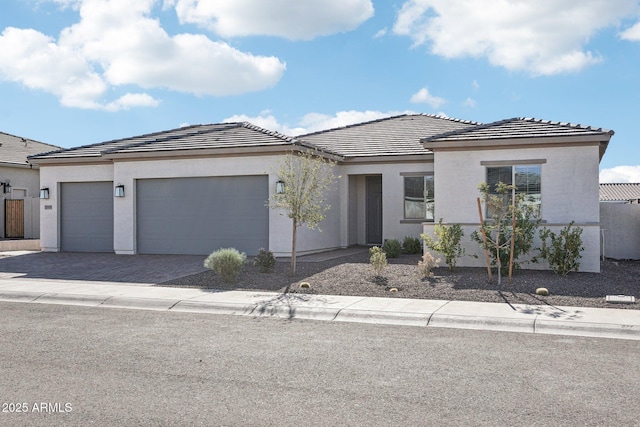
81	366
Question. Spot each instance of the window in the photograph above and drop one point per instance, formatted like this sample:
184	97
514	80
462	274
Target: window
419	197
526	179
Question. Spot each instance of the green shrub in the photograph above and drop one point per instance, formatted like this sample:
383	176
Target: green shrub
392	248
265	261
378	260
226	262
564	253
427	264
411	245
448	243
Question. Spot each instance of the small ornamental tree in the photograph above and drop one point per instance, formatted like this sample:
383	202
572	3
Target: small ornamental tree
307	177
509	231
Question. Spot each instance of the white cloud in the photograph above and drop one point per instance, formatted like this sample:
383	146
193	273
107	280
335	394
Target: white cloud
470	102
118	43
424	97
266	120
381	33
130	100
632	34
543	37
294	20
621	174
475	85
313	122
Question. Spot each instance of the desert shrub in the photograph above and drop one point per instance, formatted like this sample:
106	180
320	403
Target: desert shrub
564	253
427	264
378	260
448	243
411	245
392	248
226	262
265	261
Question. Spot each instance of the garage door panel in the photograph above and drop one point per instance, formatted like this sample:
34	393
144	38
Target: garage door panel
200	215
86	217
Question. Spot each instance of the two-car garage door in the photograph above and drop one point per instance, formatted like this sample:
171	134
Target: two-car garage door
173	216
202	214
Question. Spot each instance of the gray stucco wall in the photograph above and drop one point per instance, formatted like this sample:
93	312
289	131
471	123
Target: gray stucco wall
620	225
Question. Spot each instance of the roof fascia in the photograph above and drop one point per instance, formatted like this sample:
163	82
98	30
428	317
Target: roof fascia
59	161
413	158
506	143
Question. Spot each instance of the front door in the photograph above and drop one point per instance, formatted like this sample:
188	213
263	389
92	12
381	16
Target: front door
374	210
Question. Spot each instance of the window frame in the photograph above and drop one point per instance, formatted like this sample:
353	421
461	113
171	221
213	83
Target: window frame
426	176
514	165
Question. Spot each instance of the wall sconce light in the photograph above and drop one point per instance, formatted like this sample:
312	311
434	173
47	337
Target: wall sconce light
279	187
44	193
118	191
6	186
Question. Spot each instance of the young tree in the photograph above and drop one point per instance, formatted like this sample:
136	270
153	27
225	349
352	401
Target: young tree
307	177
510	229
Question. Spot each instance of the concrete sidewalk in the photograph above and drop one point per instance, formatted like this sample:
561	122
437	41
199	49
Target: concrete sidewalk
592	322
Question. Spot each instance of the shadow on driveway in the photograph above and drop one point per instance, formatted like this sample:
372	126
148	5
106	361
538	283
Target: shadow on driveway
101	267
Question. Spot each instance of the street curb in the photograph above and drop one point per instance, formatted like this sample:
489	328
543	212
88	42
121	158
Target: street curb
13	296
587	329
447	316
489	323
383	317
139	303
71	299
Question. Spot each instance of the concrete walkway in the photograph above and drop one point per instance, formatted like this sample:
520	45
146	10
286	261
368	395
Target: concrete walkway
592	322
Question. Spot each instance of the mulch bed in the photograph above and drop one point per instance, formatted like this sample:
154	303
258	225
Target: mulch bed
353	275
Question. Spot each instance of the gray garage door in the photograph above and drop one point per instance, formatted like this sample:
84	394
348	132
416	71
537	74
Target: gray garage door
86	217
199	215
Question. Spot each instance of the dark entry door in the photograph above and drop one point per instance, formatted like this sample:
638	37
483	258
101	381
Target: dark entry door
374	210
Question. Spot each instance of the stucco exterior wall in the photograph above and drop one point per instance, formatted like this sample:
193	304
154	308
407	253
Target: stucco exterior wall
394	226
474	255
127	172
620	224
569	185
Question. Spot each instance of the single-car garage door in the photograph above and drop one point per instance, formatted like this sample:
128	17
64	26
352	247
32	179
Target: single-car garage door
199	215
86	217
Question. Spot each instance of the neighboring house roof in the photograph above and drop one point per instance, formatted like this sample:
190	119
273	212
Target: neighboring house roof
619	192
197	137
392	136
14	150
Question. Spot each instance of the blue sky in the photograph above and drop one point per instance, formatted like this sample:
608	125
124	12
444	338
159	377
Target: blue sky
76	72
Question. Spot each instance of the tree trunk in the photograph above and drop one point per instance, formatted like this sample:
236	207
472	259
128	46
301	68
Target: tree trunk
293	248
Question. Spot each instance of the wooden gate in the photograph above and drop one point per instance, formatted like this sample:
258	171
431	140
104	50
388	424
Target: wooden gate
14	218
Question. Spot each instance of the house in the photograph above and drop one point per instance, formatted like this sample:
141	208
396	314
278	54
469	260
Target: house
623	192
620	220
19	180
198	188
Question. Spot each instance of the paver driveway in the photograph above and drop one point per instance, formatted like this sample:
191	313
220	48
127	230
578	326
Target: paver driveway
100	267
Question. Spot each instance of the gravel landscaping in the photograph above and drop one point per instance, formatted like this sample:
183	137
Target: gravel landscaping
352	275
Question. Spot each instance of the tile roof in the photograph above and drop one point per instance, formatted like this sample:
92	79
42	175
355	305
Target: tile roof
518	127
392	136
619	192
15	149
197	137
